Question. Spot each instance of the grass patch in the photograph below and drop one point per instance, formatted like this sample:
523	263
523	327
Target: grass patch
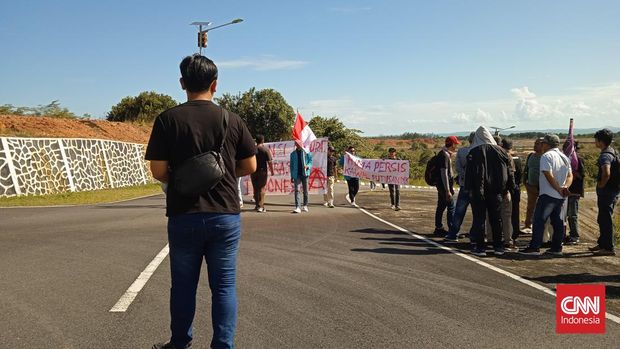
82	198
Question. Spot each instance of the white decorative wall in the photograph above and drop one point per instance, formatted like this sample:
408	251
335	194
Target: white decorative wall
39	166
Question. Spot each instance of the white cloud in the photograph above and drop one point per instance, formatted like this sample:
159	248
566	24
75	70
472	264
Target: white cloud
590	106
263	63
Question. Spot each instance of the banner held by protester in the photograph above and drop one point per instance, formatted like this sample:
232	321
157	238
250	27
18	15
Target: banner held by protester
377	170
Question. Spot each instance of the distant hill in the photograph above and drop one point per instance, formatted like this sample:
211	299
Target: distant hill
577	131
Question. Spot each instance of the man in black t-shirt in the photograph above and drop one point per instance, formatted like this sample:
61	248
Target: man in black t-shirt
264	161
332	161
445	186
201	226
394	188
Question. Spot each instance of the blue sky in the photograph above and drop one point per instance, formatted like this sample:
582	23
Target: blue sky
384	67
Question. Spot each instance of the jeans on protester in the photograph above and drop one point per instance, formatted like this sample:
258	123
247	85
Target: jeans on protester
462	202
480	207
304	183
572	216
213	237
354	187
532	197
516	212
548	208
606	202
394	194
444	204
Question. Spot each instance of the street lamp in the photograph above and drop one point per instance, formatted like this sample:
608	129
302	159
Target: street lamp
202	34
499	129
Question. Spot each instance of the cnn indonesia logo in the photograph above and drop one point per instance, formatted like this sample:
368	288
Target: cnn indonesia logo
580	309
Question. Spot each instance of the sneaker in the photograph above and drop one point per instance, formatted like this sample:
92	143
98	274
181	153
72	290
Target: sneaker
571	240
440	232
450	238
393	207
347	197
261	210
554	253
241	204
546	244
326	204
169	345
511	247
499	251
305	208
353	203
479	252
604	252
397	208
595	248
527	231
297	210
530	251
331	205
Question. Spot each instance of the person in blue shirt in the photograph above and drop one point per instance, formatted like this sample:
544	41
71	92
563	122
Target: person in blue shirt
300	165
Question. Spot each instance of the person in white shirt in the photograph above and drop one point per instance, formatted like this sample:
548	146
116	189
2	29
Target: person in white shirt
555	178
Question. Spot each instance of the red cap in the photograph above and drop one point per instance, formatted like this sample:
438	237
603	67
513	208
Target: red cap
451	141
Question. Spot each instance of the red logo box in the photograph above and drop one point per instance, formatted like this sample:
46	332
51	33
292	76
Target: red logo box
580	309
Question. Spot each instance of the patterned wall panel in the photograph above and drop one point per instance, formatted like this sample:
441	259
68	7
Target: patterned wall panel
7	188
47	166
39	166
87	164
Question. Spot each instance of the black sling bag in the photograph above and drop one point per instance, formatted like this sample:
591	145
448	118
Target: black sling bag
201	173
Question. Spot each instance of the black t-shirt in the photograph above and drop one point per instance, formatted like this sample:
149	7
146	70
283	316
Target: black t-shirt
263	157
301	170
193	128
331	166
577	187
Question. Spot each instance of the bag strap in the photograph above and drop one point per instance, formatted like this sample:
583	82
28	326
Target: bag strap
224	129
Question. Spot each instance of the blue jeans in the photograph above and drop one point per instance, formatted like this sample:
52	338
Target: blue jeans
462	202
548	208
442	205
214	237
304	182
572	216
606	202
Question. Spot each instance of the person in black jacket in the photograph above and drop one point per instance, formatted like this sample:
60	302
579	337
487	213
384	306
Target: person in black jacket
515	193
488	178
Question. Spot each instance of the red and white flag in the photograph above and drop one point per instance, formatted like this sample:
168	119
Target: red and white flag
302	134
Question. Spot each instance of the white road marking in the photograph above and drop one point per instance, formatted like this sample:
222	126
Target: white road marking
539	287
126	299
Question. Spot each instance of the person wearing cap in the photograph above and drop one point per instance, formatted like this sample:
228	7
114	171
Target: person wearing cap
555	178
394	188
445	186
462	200
531	174
488	180
332	161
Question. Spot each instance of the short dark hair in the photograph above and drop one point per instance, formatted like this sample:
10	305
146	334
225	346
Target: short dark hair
605	135
350	147
507	143
498	139
260	139
198	72
392	150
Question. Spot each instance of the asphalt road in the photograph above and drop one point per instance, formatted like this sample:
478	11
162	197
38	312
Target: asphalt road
330	278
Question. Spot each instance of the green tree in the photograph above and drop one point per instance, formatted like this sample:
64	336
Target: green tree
53	110
145	107
265	112
339	135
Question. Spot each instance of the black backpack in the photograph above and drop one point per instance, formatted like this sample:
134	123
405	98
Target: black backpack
614	176
431	174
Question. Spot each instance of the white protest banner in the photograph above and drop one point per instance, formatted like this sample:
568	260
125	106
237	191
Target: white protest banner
377	170
280	183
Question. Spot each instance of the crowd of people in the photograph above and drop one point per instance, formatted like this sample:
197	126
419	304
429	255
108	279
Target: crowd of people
490	176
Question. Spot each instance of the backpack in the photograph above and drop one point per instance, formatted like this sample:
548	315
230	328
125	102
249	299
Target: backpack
431	174
614	175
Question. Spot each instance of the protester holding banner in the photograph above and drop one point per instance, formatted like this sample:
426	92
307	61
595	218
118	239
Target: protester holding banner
352	182
264	162
394	188
300	164
576	192
331	178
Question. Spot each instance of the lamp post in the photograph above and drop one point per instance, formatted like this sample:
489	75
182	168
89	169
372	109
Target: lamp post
202	34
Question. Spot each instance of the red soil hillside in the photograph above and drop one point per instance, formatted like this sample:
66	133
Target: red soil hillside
38	126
